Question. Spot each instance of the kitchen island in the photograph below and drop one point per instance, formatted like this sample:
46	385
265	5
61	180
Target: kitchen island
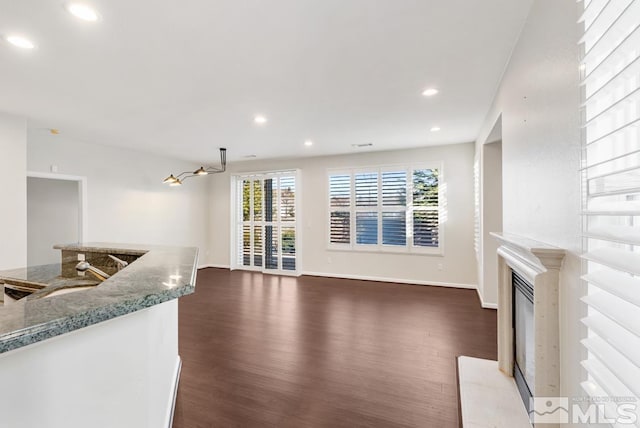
104	356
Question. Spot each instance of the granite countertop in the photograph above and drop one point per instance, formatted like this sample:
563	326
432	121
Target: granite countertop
160	274
37	276
108	248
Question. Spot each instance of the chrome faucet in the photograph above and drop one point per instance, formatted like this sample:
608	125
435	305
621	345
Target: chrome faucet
120	264
86	266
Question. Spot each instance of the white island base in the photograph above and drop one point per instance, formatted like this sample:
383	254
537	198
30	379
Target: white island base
118	373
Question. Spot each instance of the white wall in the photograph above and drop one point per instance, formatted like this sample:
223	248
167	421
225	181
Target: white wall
52	218
491	221
458	262
127	201
118	373
13	191
539	99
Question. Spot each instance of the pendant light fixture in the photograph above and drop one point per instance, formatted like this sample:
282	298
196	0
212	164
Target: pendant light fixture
176	180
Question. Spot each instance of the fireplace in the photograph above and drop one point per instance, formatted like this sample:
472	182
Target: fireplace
524	367
528	363
528	321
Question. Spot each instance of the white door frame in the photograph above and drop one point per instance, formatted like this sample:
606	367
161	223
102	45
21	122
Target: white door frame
83	225
234	265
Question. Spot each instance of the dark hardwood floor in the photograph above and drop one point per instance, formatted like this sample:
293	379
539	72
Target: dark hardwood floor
270	351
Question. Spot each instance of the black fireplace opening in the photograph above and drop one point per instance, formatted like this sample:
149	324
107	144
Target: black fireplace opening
523	337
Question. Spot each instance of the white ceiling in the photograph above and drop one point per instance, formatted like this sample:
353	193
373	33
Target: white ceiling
183	78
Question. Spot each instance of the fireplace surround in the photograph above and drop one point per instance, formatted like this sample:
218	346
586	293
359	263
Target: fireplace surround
537	264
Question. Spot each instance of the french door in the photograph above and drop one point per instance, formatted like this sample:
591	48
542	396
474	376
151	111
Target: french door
266	222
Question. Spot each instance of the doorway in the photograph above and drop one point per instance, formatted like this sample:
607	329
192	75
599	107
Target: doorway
55	215
266	221
491	213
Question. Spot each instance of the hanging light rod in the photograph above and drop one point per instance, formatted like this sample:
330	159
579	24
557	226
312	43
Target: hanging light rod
176	180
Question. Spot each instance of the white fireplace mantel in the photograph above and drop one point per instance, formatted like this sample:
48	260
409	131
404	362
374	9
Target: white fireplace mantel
540	264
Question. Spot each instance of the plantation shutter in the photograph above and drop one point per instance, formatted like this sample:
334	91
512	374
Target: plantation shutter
611	207
367	189
340	206
394	207
426	216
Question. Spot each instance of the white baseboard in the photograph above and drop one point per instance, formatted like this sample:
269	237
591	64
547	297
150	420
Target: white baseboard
213	265
174	393
484	304
400	281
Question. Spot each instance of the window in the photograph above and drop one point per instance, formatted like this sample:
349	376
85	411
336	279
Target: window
265	221
611	206
386	209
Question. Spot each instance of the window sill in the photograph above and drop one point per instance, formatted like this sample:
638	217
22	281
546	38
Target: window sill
436	252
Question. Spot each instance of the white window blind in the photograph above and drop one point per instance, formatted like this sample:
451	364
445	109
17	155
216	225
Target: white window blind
611	206
385	208
340	206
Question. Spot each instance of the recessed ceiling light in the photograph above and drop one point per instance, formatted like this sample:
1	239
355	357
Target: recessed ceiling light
20	42
430	92
261	120
435	129
308	143
82	11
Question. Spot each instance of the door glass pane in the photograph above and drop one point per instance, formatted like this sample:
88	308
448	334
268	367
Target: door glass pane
246	200
271	247
394	228
246	245
257	246
367	228
288	248
257	200
287	198
270	199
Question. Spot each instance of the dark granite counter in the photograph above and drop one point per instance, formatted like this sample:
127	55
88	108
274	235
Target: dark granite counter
158	275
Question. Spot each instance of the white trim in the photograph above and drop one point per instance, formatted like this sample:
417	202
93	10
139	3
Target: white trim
168	420
485	305
396	280
384	249
214	265
233	221
268	172
83	223
237	221
271	272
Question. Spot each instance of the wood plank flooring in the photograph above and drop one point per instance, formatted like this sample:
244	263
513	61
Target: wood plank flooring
270	351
